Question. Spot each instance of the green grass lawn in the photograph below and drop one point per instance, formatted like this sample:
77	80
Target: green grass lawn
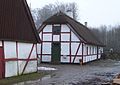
22	78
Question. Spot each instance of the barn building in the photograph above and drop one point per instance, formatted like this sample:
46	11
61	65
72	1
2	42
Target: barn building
18	39
64	40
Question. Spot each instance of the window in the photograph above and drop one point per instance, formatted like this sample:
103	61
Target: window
87	50
56	30
92	50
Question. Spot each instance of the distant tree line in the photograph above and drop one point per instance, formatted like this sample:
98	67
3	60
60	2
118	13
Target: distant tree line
40	15
109	36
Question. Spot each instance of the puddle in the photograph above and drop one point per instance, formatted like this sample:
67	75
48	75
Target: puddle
35	81
106	74
46	77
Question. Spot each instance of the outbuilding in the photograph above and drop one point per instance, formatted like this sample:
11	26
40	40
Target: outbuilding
18	39
64	40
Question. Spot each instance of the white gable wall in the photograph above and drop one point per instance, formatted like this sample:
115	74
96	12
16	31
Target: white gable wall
47	28
65	37
10	52
24	50
65	28
18	62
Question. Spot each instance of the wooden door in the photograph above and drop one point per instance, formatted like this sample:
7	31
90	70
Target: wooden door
1	63
56	52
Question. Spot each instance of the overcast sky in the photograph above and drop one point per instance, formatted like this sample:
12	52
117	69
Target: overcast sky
95	12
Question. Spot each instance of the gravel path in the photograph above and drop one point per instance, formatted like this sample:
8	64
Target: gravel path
93	73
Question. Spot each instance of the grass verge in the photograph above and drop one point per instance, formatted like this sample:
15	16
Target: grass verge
22	78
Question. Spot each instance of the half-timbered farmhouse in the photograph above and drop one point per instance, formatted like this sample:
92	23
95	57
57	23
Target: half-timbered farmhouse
64	40
18	39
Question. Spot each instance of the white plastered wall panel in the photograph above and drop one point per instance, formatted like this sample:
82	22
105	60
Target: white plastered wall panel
89	58
76	59
0	43
46	48
40	35
88	49
80	50
38	48
56	37
46	58
85	49
33	54
24	50
65	59
10	52
74	37
74	47
11	68
65	37
65	49
21	65
65	28
47	28
47	37
31	67
10	49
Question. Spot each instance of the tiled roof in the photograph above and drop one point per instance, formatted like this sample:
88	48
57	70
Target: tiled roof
16	23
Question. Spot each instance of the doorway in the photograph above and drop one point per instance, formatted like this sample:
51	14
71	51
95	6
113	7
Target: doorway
56	53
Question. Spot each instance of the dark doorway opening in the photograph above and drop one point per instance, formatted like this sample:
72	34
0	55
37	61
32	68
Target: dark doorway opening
56	52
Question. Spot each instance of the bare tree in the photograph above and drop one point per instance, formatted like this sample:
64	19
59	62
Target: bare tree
41	15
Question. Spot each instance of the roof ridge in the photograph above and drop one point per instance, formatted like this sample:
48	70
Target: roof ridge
84	32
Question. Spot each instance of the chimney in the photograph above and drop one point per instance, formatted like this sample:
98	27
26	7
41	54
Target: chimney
69	13
86	24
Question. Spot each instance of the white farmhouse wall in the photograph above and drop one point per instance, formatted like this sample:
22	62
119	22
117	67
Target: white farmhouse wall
11	68
47	28
65	37
24	50
31	67
56	37
74	47
0	43
46	58
65	59
38	48
21	65
76	59
65	28
10	49
46	48
74	37
65	49
47	37
10	52
40	35
65	46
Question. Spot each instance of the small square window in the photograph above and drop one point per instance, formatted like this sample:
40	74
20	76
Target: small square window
56	30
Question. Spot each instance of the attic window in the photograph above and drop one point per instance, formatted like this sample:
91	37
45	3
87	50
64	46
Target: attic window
56	30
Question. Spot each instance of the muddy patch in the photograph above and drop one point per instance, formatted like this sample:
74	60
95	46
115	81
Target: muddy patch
95	73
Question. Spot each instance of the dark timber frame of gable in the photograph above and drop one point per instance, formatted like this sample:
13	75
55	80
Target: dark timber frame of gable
81	43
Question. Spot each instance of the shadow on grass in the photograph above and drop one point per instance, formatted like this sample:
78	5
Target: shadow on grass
22	78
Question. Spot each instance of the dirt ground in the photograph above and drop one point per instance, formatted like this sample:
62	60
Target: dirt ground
94	73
